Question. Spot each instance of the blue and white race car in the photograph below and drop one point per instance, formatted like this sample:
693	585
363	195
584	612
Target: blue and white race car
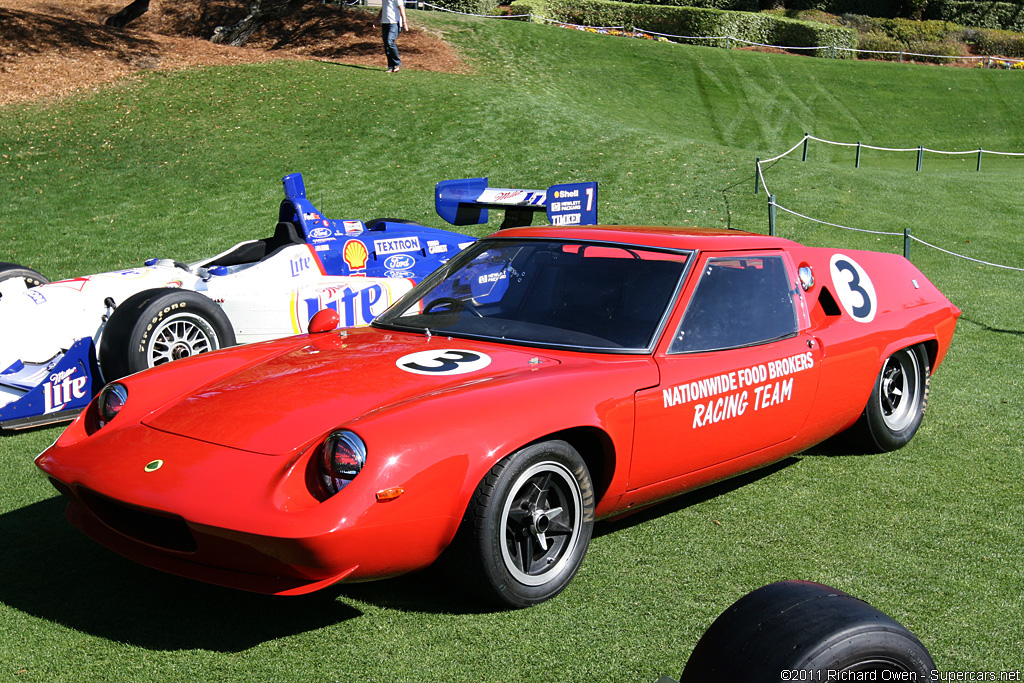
61	341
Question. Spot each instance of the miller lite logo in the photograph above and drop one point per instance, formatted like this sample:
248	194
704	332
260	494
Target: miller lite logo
63	388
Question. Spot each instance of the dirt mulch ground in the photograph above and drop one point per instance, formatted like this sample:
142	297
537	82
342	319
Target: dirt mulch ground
50	48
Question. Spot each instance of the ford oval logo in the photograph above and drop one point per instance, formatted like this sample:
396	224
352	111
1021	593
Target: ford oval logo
399	262
321	233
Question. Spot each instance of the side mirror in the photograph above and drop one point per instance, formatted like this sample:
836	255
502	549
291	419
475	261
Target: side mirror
324	320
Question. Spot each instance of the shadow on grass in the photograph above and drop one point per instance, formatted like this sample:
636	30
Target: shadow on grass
687	499
989	328
52	571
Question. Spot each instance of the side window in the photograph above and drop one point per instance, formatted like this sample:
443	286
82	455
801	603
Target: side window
738	301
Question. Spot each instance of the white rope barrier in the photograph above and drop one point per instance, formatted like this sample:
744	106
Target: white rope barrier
483	16
900	149
760	181
641	32
581	27
968	258
834	225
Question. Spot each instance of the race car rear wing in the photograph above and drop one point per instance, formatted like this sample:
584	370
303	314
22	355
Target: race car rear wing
467	201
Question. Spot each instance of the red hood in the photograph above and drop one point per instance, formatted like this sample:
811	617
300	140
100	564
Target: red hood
300	394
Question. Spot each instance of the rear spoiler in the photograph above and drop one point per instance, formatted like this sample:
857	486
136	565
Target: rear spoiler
466	202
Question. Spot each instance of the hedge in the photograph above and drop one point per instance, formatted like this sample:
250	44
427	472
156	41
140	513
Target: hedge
535	7
696	21
733	5
995	42
997	15
468	6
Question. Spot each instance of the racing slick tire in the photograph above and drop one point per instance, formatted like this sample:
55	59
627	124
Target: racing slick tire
32	278
898	401
528	525
156	326
804	631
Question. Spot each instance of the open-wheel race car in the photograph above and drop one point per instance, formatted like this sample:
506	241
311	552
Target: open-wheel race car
61	341
541	379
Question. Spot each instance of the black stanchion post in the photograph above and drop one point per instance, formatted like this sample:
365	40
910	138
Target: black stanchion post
757	176
920	157
771	215
979	158
806	138
857	163
906	243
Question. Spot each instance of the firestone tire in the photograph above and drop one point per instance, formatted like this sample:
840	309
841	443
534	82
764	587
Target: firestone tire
528	526
32	278
803	631
157	326
898	401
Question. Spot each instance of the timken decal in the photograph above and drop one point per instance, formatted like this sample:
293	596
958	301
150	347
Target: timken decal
730	394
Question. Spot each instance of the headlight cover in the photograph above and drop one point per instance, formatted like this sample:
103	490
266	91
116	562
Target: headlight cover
109	403
342	456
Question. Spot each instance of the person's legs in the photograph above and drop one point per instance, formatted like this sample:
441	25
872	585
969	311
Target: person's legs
389	32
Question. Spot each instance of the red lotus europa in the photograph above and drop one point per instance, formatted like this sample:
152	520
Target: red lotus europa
544	378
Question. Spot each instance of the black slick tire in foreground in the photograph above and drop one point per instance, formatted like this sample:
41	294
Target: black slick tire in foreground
32	278
156	326
527	527
898	401
803	631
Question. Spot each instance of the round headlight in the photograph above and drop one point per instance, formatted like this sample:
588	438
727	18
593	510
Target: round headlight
342	457
111	399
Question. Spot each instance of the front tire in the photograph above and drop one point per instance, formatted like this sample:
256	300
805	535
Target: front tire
898	400
798	630
156	326
528	525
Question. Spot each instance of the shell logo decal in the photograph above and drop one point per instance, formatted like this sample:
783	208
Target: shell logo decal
356	254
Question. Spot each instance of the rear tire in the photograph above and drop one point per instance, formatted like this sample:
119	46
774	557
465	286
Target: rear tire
156	326
528	525
32	278
898	401
809	632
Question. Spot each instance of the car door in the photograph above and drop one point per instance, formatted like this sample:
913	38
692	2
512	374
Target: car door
738	375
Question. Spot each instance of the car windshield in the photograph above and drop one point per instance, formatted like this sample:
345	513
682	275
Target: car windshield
592	296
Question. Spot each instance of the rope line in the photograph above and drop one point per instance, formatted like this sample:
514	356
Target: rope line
773	203
832	49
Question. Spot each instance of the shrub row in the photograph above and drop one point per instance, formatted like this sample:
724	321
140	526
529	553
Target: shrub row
931	37
978	13
994	15
468	6
696	21
888	48
995	42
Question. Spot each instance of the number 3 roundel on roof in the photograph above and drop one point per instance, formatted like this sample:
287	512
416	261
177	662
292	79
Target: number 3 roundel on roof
854	288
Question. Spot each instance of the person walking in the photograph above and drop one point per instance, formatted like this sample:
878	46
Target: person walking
391	20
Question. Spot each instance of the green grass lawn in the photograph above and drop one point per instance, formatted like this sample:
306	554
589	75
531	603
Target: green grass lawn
184	164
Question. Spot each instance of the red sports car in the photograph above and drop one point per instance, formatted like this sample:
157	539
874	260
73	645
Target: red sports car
542	379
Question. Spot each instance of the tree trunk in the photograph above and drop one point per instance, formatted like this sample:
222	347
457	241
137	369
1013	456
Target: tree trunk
128	14
260	13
